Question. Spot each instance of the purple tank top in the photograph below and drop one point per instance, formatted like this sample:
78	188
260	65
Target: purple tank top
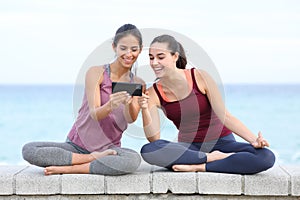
193	116
99	135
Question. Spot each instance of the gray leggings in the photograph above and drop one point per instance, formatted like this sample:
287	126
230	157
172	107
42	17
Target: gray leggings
45	154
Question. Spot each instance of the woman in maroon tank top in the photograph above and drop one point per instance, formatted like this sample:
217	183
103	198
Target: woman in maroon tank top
191	100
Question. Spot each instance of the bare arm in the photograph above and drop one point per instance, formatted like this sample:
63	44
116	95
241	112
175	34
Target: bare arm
151	122
207	85
93	79
132	107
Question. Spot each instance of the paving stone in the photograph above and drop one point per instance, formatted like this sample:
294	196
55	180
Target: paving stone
136	183
175	182
219	183
32	181
7	173
82	184
274	181
294	172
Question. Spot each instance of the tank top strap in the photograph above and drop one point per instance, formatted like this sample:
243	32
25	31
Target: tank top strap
193	76
161	99
131	75
106	74
107	69
195	86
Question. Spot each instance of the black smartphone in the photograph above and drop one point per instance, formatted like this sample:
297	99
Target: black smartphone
134	89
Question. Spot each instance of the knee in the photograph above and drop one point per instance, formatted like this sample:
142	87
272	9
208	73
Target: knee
132	160
28	151
268	158
148	153
146	148
135	161
153	146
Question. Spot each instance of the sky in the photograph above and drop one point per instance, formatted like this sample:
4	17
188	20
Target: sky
249	41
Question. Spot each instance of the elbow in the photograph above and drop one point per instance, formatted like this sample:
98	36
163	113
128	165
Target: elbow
93	115
153	137
229	120
228	117
130	119
133	119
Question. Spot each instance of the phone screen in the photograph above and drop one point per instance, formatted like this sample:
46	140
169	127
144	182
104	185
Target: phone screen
134	89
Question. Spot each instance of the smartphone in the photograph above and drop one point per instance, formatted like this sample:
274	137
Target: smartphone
134	89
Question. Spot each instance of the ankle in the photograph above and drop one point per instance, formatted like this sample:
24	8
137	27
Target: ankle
91	157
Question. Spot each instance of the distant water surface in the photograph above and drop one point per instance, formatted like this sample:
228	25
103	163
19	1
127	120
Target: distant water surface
45	113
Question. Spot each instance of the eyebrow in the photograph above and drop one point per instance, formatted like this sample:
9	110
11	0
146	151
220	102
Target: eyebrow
136	46
159	54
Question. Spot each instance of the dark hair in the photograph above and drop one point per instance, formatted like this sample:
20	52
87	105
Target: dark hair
174	47
127	29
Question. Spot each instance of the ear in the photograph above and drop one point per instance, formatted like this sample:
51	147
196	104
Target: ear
114	47
176	56
141	49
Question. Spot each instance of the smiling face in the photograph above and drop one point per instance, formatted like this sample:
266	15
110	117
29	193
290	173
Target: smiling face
161	60
127	50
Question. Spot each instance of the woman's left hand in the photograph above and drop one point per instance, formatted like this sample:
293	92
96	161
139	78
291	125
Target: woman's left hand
260	142
143	100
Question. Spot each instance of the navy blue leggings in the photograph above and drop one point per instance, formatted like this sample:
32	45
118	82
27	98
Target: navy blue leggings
246	160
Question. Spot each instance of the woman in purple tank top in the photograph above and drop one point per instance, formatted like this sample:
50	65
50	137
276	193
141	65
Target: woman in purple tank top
93	144
191	100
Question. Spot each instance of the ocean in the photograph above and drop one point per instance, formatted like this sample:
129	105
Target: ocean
45	113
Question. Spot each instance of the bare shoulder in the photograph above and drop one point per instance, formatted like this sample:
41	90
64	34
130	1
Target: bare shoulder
95	73
151	90
201	74
154	100
96	69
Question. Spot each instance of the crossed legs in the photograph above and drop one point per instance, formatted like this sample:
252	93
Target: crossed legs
80	163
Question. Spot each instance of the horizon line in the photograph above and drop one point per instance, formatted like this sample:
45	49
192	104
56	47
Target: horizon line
225	83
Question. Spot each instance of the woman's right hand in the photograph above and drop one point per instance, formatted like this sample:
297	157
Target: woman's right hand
118	98
143	100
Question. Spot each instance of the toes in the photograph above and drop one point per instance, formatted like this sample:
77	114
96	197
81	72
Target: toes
112	152
174	167
47	172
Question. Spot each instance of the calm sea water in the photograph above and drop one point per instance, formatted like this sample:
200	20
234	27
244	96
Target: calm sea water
45	113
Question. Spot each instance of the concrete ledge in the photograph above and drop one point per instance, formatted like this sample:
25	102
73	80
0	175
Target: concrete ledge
149	182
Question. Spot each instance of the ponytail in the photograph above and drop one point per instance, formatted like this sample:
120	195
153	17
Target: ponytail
182	61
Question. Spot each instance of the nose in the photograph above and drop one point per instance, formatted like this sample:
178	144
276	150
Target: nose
128	52
154	61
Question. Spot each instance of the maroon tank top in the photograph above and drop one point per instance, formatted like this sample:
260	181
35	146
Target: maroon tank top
193	116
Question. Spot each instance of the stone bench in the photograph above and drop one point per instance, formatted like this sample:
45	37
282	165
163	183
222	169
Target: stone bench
149	182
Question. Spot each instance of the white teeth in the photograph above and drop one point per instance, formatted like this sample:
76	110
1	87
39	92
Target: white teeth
157	69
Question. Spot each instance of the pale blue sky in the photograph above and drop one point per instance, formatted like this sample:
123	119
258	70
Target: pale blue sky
47	41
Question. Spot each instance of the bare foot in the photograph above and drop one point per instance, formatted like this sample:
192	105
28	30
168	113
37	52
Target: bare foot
74	169
78	159
97	154
217	155
189	168
213	156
